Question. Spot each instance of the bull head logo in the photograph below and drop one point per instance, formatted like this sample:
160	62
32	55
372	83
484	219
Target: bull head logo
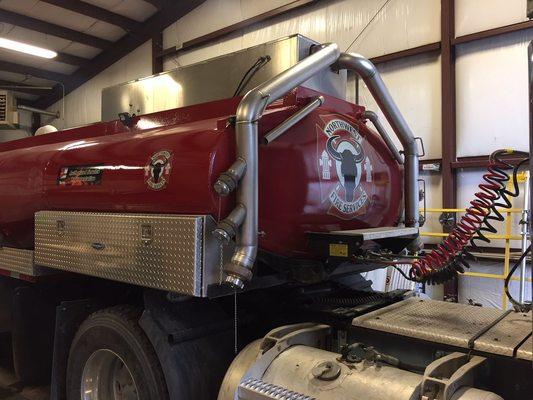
349	156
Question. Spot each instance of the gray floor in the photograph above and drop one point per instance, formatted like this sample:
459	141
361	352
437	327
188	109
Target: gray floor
11	388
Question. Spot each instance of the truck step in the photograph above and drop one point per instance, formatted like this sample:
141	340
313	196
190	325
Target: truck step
344	243
385	232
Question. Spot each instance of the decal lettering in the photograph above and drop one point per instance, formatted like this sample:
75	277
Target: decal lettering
343	167
80	175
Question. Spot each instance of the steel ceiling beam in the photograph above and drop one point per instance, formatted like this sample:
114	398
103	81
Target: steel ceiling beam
52	29
95	12
121	48
70	59
36	72
21	88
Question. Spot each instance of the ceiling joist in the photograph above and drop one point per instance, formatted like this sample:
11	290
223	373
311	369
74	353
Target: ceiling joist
95	12
23	88
54	30
121	48
32	71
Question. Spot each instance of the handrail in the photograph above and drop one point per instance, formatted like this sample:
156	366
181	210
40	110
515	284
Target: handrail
370	75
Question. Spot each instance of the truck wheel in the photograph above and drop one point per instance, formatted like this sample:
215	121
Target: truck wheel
112	359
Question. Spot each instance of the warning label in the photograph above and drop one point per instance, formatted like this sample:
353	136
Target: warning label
80	176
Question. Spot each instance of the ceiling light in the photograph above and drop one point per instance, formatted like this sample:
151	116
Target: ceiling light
26	48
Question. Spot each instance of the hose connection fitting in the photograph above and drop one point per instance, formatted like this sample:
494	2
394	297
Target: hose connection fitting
239	269
228	227
227	181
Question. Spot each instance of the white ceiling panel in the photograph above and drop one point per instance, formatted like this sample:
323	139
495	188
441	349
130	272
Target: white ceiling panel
20	78
81	50
135	9
105	31
19	6
36	62
48	13
35	38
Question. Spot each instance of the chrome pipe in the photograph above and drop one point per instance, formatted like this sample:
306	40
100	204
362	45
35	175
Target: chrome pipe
293	120
38	111
370	75
249	112
373	117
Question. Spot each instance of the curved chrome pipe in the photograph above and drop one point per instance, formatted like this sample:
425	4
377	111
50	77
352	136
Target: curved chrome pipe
249	111
373	117
370	75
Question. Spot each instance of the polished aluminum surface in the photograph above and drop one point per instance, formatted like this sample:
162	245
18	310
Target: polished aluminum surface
378	233
293	120
20	261
504	337
167	252
525	351
370	75
435	321
106	376
249	112
373	117
256	389
215	79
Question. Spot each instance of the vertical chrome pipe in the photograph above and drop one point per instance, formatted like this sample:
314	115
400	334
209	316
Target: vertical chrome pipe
373	117
249	111
524	232
370	75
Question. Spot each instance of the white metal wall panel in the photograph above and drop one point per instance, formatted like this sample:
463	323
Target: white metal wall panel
414	84
400	25
479	15
492	94
83	106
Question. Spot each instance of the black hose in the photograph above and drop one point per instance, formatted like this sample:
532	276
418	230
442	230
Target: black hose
521	307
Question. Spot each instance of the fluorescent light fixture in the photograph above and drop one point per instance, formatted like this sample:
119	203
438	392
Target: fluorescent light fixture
26	48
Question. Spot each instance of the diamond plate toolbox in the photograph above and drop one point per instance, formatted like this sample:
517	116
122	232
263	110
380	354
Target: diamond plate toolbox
159	251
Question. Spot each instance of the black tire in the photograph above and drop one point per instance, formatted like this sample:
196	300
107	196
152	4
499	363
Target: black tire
116	329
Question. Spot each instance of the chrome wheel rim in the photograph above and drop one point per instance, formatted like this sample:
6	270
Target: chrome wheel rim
107	377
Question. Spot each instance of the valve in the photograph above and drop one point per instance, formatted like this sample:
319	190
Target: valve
228	227
228	180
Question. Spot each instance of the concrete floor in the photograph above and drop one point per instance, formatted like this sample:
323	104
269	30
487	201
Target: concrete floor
12	389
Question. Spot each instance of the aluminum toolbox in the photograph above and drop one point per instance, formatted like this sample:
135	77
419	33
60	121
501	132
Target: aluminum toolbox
20	262
168	252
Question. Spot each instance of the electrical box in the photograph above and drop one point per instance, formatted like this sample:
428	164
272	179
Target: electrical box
9	116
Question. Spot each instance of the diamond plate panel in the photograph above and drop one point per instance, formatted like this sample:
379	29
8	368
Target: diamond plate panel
525	352
157	251
20	261
435	321
504	337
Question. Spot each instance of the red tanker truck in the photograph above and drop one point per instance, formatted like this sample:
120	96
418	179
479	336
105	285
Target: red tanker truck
140	254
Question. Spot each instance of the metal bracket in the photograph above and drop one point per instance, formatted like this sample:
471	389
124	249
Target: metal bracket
279	339
443	377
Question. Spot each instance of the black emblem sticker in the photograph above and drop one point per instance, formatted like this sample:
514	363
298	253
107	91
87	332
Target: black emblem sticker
157	172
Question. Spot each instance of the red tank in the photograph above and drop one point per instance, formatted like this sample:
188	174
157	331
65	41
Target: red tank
329	172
